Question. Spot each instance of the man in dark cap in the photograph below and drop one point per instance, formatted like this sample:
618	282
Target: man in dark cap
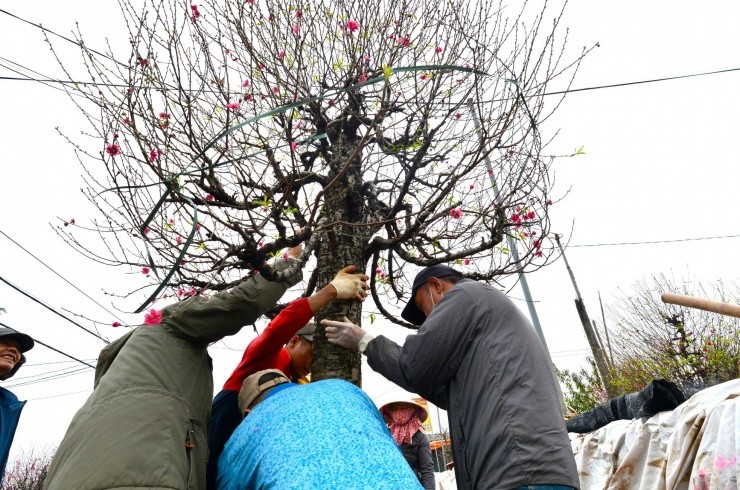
478	357
13	345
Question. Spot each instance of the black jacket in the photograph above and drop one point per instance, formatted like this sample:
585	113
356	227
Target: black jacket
419	456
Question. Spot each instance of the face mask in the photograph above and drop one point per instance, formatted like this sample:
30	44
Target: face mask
431	298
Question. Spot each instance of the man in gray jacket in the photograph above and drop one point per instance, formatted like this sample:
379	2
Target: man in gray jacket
145	424
479	358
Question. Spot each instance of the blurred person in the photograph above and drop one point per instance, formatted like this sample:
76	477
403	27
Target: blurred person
286	344
145	425
322	435
478	357
404	419
13	346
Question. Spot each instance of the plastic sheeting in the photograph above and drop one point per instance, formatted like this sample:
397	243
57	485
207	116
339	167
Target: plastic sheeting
696	446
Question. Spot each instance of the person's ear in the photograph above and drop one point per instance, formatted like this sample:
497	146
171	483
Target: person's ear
294	341
435	284
246	412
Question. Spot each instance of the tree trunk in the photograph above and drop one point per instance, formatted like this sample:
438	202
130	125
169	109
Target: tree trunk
343	244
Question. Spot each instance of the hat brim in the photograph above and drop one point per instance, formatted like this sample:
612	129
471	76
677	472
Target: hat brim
411	313
421	412
25	342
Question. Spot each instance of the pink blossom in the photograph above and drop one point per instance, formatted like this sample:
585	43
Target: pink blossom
298	14
722	464
260	244
515	218
113	149
424	76
245	83
293	146
353	25
456	213
171	221
115	136
164	119
549	202
234	106
250	2
146	231
536	244
196	14
490	172
330	101
209	197
276	90
530	215
281	54
154	317
142	61
367	59
458	115
127	121
153	154
438	49
299	125
472	187
466	261
363	77
145	270
404	41
116	324
179	240
296	29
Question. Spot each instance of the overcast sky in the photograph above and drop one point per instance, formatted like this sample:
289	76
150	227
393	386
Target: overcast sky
659	166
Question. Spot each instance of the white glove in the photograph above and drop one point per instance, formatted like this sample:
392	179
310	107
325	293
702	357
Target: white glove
349	285
345	334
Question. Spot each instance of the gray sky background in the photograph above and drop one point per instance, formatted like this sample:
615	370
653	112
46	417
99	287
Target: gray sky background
659	165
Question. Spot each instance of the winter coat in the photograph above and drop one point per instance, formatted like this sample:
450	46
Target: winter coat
10	414
418	455
145	424
478	357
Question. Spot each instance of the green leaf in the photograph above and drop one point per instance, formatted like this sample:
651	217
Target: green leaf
387	71
372	318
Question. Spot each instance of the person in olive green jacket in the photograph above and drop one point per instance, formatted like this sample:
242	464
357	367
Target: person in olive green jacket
145	424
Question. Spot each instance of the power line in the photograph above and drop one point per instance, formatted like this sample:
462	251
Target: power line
39	26
58	275
653	241
28	295
53	348
652	80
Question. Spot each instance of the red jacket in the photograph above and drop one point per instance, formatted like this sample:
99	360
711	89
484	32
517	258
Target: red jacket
268	350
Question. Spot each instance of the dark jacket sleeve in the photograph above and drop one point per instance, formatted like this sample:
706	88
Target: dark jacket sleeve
428	360
424	461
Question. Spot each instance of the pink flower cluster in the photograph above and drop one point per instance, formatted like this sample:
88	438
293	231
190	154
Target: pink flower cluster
113	149
195	14
153	317
456	213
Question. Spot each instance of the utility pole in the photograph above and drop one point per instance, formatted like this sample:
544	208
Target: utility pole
601	364
515	255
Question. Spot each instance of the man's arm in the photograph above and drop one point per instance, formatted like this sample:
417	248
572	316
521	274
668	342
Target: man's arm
208	320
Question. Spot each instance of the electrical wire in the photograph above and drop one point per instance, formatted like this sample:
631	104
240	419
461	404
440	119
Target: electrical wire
53	348
653	241
28	295
59	275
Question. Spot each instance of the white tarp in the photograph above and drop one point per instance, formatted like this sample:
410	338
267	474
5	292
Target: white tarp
696	446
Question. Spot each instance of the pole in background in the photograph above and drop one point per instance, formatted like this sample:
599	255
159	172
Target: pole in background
593	341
